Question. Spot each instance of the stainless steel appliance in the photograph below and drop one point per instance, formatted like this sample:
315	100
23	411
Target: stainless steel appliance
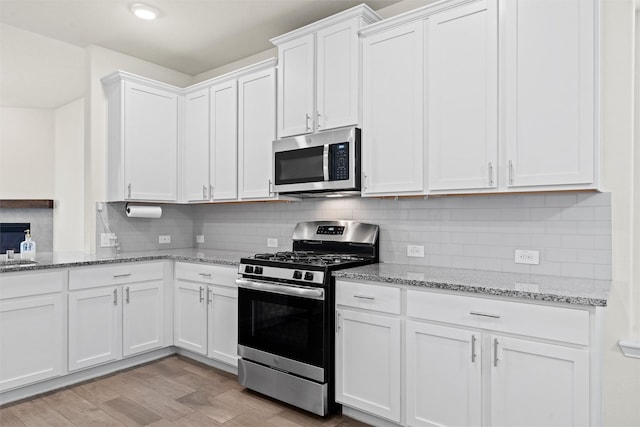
323	162
286	312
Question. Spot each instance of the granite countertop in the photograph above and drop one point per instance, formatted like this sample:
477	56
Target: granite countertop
529	286
48	260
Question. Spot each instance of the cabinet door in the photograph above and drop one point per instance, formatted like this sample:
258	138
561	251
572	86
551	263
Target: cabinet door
151	143
190	317
535	384
368	363
256	133
392	140
444	381
550	83
224	141
196	146
223	324
295	86
337	76
30	340
143	317
94	326
463	97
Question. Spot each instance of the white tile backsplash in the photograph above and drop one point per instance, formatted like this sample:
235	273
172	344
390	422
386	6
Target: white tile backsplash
572	231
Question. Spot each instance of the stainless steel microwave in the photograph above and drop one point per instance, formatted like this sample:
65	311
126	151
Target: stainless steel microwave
328	161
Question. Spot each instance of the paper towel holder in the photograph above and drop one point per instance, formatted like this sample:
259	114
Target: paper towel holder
142	211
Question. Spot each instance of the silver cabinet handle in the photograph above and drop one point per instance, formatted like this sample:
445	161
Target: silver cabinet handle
211	191
318	125
115	297
490	174
201	294
495	352
209	296
337	321
510	172
120	276
478	313
364	297
307	118
204	192
129	191
205	274
364	175
473	349
126	295
270	186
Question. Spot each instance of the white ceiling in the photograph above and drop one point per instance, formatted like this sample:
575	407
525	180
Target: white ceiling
191	36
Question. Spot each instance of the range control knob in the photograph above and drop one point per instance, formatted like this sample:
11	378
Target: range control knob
308	276
257	270
248	269
297	275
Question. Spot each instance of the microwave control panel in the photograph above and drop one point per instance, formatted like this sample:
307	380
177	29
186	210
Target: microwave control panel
339	154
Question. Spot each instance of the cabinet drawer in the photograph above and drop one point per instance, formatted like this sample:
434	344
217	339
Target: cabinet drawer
93	277
13	285
210	274
370	297
554	323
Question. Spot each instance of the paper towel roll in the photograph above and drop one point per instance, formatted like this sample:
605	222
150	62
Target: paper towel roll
141	211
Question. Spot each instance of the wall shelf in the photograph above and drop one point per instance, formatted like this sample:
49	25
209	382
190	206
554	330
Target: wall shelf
26	204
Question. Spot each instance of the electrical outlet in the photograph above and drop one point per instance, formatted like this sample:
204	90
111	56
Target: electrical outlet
527	257
200	238
272	242
415	251
107	240
164	239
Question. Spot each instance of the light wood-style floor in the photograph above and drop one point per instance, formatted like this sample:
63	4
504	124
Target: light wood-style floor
170	392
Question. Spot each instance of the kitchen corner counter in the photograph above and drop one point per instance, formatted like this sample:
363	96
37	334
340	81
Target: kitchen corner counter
567	290
49	260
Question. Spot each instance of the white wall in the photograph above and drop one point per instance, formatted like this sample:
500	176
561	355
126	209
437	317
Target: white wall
26	150
621	374
68	177
102	62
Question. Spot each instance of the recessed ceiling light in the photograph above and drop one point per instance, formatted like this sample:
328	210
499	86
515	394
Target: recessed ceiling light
145	12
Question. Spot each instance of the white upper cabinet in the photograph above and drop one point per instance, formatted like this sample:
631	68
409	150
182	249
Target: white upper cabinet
549	112
196	146
224	141
256	132
393	112
295	86
318	73
142	139
462	80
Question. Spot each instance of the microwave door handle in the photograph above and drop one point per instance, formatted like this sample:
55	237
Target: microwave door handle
325	162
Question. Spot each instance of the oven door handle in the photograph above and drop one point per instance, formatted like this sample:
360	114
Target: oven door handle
311	293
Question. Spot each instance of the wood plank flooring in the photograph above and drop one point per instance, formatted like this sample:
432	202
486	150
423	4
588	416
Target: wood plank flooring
174	391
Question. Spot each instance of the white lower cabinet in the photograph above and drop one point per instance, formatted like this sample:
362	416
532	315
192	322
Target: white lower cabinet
368	350
206	311
538	384
444	380
458	360
109	322
31	328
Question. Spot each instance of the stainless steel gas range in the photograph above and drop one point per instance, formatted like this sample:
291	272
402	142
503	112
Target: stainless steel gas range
286	312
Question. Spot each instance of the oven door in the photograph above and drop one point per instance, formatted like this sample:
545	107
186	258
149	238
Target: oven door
284	327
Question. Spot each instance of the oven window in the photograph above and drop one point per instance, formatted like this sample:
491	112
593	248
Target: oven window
283	325
298	166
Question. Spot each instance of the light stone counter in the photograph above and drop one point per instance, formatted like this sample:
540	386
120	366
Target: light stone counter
529	286
50	260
